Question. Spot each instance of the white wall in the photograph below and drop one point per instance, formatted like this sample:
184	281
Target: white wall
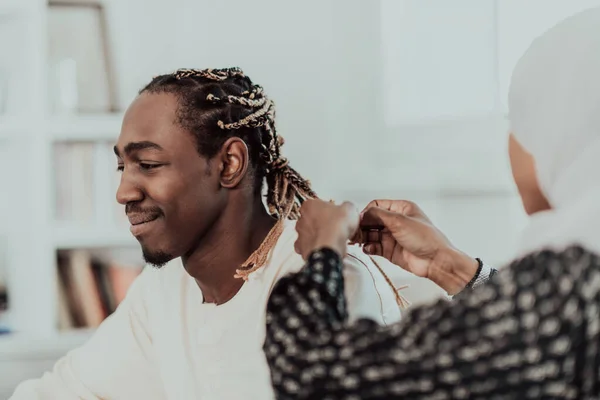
388	98
313	58
519	22
446	68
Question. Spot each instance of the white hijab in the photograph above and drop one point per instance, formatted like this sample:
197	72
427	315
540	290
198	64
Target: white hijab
554	104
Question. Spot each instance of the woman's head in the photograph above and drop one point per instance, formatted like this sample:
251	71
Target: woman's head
554	104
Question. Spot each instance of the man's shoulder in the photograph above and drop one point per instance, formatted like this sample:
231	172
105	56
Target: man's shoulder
368	292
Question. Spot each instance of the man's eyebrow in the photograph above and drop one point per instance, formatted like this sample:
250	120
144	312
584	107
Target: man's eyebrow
137	146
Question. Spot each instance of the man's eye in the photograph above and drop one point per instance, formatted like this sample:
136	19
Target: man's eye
120	168
147	167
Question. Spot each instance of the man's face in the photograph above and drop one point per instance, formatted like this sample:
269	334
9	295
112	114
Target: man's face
170	194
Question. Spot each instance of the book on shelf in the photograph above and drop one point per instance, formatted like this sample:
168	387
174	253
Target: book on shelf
86	181
3	276
66	318
90	288
74	184
3	299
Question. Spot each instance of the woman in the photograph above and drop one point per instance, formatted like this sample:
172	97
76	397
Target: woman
534	330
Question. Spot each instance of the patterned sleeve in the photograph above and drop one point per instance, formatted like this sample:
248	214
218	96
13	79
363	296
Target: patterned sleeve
531	332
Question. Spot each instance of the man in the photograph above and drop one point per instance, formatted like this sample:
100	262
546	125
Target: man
195	148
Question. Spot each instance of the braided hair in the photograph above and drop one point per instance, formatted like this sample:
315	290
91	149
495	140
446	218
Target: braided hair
217	104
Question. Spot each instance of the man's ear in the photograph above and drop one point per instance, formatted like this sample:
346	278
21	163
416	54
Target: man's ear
235	160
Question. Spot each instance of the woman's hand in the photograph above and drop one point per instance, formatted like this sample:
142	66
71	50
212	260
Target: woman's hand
324	224
409	239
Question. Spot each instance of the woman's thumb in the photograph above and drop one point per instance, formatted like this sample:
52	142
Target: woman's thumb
378	217
398	225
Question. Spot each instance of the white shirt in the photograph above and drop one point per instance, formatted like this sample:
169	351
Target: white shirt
164	343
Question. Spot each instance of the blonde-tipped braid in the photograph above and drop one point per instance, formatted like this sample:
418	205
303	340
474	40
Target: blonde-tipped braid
254	120
210	74
284	178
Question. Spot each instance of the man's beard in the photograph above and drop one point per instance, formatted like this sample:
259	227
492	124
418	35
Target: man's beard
156	258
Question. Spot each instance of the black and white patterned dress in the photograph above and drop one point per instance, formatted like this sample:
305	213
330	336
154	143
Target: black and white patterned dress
532	332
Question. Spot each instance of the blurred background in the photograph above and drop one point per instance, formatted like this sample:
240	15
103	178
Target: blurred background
376	99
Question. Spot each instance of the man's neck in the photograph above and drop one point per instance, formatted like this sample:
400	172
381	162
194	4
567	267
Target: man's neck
232	239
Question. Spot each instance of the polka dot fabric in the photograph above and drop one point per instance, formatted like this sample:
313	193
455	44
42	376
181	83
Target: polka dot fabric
532	332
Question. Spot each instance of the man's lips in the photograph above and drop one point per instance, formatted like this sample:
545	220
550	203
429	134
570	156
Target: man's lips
138	219
141	223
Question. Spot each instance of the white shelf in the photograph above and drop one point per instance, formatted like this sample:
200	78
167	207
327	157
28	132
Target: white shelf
66	237
14	127
26	356
101	127
11	8
5	319
18	346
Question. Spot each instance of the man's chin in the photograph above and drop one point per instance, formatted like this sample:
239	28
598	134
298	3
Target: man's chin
156	258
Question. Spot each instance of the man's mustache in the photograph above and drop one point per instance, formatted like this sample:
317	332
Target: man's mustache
135	208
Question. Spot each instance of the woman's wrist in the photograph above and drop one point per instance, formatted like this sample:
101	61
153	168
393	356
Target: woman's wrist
332	241
453	270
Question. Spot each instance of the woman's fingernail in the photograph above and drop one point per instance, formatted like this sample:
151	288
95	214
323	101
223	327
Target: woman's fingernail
368	248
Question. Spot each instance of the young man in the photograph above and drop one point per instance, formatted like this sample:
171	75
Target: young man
194	150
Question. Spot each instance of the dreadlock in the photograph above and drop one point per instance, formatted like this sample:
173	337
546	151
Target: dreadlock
217	104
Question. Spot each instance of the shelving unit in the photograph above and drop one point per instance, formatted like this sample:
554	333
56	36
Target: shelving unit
12	128
8	8
85	127
29	134
77	238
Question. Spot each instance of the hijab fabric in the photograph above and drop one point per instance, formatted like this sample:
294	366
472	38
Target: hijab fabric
554	106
